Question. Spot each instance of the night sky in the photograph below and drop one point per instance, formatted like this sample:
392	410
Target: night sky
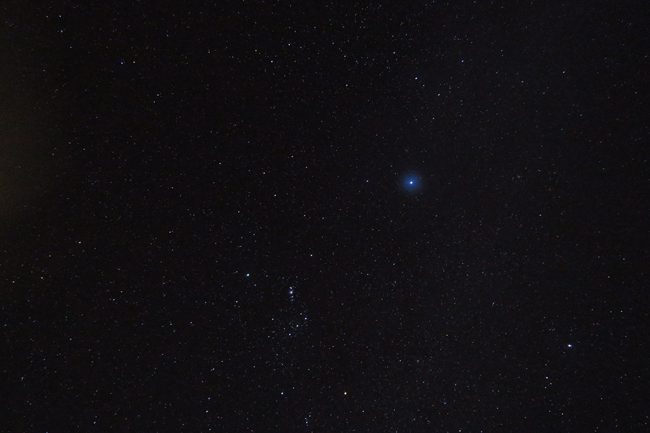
327	217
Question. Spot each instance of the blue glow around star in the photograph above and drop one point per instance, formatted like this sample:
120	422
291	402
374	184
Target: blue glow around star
412	183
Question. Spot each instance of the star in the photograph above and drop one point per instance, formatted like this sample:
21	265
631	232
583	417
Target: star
411	182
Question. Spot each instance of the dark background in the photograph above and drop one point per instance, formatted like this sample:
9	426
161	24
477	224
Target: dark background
203	226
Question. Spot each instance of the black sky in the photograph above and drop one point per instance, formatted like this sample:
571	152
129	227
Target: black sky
205	227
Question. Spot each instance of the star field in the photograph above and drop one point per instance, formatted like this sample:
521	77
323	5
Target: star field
275	216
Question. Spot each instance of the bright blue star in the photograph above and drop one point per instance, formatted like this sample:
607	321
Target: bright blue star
412	183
